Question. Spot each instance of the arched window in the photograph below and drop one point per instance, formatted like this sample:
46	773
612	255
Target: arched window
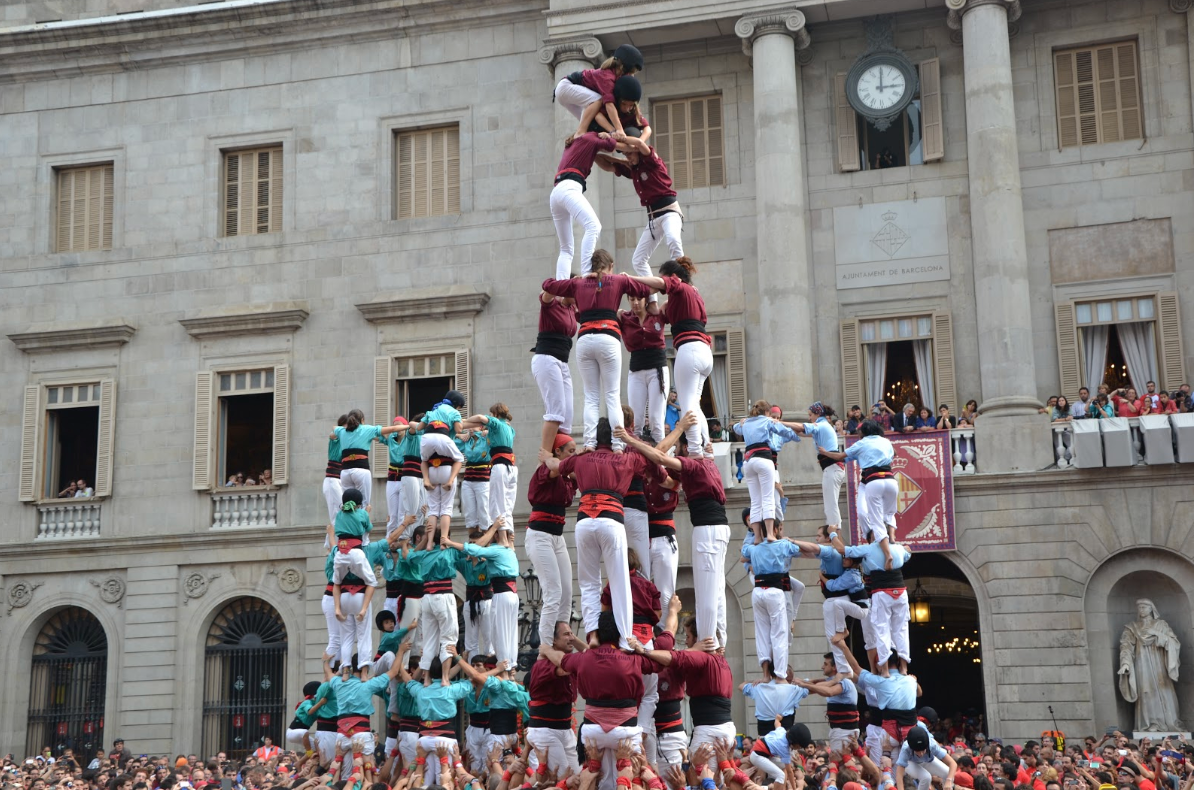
67	683
244	678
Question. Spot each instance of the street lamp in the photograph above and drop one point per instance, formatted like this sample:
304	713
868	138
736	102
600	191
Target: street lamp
528	619
920	611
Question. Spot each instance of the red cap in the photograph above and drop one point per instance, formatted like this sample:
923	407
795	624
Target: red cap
852	786
963	779
560	440
400	420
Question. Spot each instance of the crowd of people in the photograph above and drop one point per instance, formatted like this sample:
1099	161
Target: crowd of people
1121	402
241	480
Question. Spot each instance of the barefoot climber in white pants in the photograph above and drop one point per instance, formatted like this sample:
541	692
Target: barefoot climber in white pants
550	495
549	366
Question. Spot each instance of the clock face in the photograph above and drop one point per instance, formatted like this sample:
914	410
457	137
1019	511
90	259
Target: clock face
881	87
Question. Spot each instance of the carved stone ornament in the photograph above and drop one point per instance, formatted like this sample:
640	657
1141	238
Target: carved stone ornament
553	53
195	585
20	594
789	21
1180	6
958	8
111	589
290	578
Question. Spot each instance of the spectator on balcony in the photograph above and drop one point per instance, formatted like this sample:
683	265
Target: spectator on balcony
925	420
1048	407
716	432
1061	410
969	414
1079	409
1127	404
69	491
250	481
1102	407
82	490
882	414
1152	395
267	478
944	421
854	420
905	421
1166	405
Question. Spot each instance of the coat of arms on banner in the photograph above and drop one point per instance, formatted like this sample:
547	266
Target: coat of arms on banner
923	468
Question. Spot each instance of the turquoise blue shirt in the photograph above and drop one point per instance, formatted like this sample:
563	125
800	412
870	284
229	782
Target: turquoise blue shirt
408	567
392	641
331	708
761	429
376	553
303	712
501	560
408	446
897	692
360	439
437	702
507	695
334	450
831	561
474	575
444	413
476	703
407	706
777	744
773	557
873	558
871	451
774	699
824	436
475	450
500	433
352	524
437	564
394	447
356	696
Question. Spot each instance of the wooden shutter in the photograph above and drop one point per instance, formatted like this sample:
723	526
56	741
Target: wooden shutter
932	125
427	176
1169	333
281	462
689	137
1070	371
943	362
852	385
736	372
464	379
848	160
1098	94
383	404
84	209
30	421
104	450
253	191
201	475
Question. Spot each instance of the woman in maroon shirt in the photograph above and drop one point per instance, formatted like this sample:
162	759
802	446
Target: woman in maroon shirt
648	384
599	347
567	200
550	495
685	311
549	366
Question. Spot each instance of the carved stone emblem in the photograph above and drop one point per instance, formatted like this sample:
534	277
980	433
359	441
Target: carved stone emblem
111	589
290	579
20	594
195	585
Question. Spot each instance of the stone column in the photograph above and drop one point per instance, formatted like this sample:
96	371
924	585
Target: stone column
1010	436
771	39
1184	7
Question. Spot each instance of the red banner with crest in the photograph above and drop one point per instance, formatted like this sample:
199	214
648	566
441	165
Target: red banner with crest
923	468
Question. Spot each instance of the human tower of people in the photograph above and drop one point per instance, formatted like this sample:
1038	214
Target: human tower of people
627	666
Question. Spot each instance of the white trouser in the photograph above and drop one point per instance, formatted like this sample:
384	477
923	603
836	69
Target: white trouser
603	540
876	738
439	627
295	738
504	627
607	744
430	743
832	478
646	711
665	561
600	360
638	538
889	623
474	743
693	364
367	746
923	773
553	565
834	612
410	613
413	499
672	746
759	475
574	98
881	497
329	613
771	627
500	742
664	227
560	746
325	744
794	597
555	386
439	499
647	400
474	501
333	494
478	634
839	739
709	546
439	444
408	747
568	204
503	488
359	479
710	734
356	636
355	562
393	505
769	766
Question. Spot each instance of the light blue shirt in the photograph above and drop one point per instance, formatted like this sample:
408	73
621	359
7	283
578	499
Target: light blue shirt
443	412
849	695
502	561
762	429
774	699
824	436
831	561
897	692
773	557
360	439
437	702
777	744
871	451
873	558
934	752
850	581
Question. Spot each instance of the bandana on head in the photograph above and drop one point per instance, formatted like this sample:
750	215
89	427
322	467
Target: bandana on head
560	440
816	408
349	506
400	420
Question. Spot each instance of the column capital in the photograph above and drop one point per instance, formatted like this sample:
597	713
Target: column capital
553	53
1180	6
782	21
959	8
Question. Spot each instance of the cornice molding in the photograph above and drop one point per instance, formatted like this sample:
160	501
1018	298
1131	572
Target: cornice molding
783	21
587	49
428	304
959	8
238	320
109	334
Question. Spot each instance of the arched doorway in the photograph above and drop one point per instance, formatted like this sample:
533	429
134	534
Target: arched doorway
67	683
244	678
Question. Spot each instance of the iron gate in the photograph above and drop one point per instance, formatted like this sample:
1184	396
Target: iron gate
244	678
67	683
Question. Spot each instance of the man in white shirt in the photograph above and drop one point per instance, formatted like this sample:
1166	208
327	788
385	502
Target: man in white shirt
1078	408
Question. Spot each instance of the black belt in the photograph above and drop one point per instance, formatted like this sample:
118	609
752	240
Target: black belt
504	584
707	512
325	725
842	715
767	725
478	592
779	580
876	473
577	177
648	359
394	587
354	459
825	461
553	344
503	721
760	450
659	205
409	724
437	587
709	710
298	725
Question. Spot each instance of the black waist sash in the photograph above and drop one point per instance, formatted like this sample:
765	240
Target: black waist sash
547	518
876	473
351	458
551	715
503	721
707	512
842	715
780	580
647	359
709	710
885	580
904	718
668	716
553	344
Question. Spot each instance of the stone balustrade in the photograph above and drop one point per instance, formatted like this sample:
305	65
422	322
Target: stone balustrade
69	520
244	509
1153	440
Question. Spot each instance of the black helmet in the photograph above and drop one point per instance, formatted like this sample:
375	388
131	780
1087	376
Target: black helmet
455	398
928	714
310	687
918	739
798	735
632	131
383	617
353	495
627	88
629	57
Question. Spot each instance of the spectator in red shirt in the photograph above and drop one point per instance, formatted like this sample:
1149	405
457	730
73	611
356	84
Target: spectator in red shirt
1165	405
1128	405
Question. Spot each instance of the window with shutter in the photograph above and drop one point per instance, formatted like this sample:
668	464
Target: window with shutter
689	137
104	451
736	372
242	420
1098	94
281	454
201	469
1169	330
464	378
84	208
383	403
427	172
852	391
30	420
848	159
71	440
1069	369
252	196
943	362
933	134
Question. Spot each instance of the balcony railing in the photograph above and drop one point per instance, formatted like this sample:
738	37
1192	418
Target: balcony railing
1152	440
237	510
68	520
962	441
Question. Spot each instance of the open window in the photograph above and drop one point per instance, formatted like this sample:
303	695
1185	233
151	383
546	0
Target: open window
66	440
915	138
242	427
899	359
409	385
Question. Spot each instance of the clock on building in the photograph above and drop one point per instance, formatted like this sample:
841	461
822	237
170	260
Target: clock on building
880	85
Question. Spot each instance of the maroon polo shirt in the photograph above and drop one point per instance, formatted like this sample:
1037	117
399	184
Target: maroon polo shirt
638	335
705	674
580	154
671	680
603	470
606	673
546	686
644	597
660	500
547	490
701	479
600	81
683	302
650	178
557	317
589	296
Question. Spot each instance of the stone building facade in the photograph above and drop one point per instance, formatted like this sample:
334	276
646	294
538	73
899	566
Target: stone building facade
159	307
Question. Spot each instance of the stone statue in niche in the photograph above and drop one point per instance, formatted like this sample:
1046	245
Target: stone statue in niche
1148	663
